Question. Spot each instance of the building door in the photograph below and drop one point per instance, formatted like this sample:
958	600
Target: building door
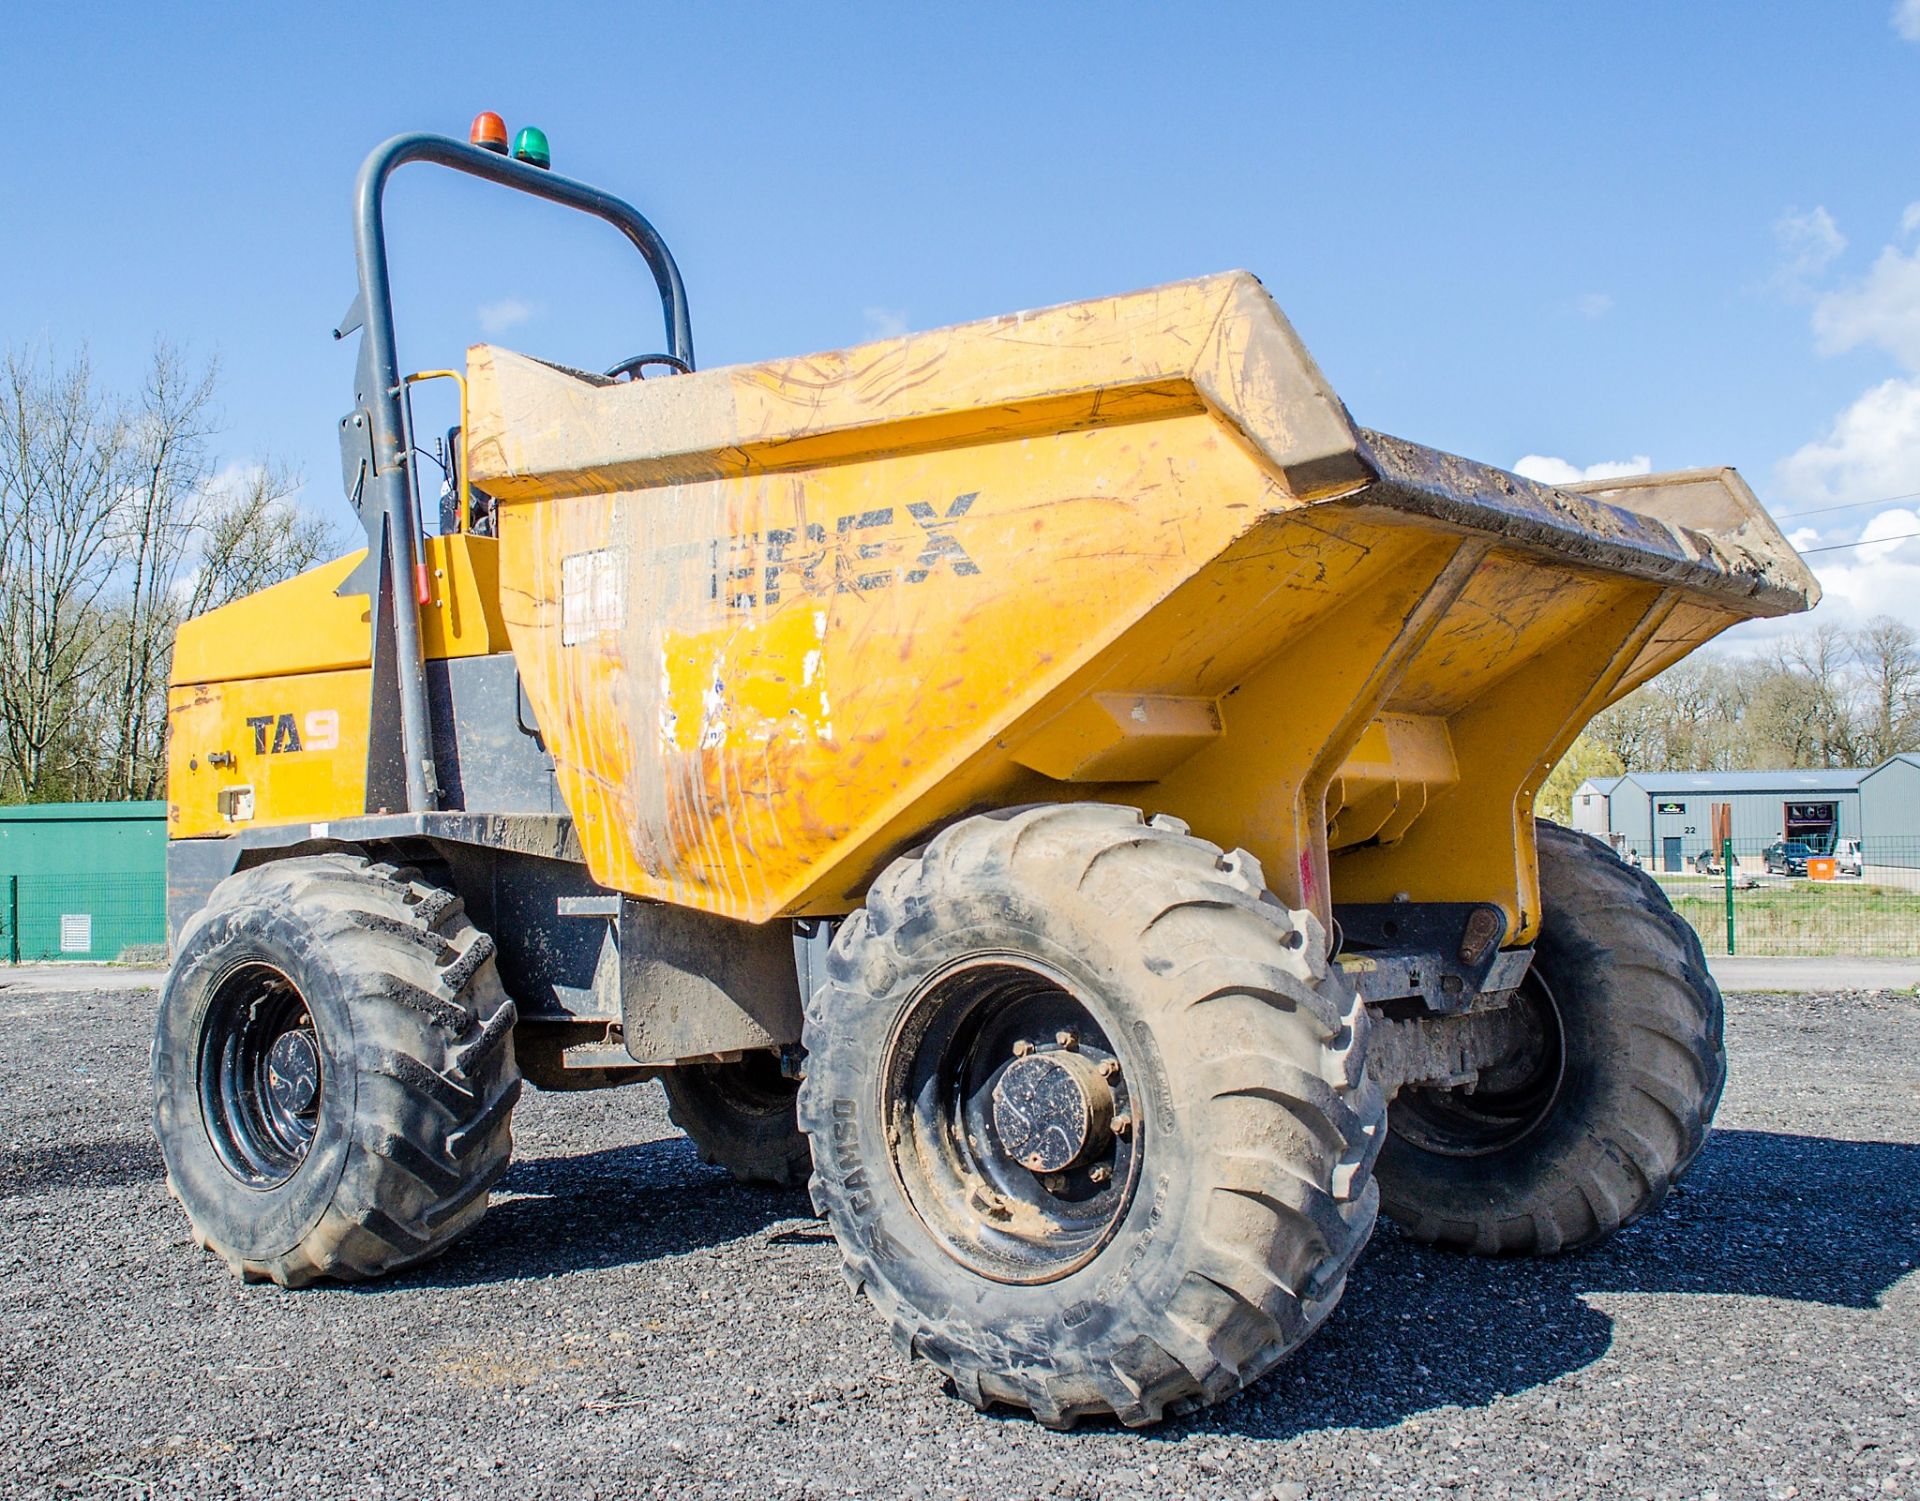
1670	857
1816	823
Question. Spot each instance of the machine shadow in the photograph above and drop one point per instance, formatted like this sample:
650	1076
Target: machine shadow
1762	1215
607	1208
113	1162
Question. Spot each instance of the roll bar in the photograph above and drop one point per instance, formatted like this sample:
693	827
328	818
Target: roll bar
374	452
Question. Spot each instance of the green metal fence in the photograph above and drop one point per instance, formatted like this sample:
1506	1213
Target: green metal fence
105	916
1813	898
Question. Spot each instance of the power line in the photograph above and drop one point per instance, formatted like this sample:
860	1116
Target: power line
1852	505
1863	542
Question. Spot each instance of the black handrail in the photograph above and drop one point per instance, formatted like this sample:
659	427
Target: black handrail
388	508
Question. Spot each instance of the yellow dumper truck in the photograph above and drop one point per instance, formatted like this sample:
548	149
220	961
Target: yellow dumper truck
1054	785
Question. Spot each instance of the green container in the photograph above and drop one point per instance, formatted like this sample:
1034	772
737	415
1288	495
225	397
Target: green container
82	880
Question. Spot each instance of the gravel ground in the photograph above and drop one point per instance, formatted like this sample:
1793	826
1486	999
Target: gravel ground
626	1322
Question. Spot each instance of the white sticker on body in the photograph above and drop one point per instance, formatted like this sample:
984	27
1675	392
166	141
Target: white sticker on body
593	594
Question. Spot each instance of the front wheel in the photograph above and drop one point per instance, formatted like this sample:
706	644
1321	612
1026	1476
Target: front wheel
1089	1112
1606	1101
333	1071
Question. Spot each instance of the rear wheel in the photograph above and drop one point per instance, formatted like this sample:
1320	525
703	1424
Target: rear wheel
1089	1113
1607	1101
333	1070
740	1116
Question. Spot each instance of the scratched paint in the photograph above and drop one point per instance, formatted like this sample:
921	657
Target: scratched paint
859	592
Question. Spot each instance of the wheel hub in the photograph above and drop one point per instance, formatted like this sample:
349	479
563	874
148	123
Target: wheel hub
1012	1126
1512	1097
262	1074
1052	1110
293	1071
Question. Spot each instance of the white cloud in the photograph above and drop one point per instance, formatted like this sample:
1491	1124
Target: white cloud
1551	471
508	312
1808	244
1593	304
884	322
1881	578
1906	19
1849	484
1872	451
236	475
1882	308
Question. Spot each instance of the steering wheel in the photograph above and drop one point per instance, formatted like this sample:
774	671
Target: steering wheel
632	366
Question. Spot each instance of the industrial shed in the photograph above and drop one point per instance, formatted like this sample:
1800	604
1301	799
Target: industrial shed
1592	813
1663	817
1890	812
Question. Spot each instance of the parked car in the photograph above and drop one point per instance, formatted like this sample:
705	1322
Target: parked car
1788	857
1847	858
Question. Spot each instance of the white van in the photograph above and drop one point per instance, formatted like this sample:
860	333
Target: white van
1847	859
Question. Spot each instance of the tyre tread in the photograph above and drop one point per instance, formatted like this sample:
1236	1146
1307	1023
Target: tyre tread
1265	976
438	1085
1672	1061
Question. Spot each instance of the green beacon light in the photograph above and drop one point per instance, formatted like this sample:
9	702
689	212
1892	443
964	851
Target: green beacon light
530	146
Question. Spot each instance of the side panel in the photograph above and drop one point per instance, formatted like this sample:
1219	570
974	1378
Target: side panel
266	750
305	625
269	705
486	744
194	868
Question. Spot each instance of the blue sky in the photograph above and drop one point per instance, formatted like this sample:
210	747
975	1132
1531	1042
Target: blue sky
1593	234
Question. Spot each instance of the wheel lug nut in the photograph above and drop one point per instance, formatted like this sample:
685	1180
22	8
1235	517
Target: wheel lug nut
1022	1048
1120	1125
1100	1172
1066	1039
1053	1183
1109	1068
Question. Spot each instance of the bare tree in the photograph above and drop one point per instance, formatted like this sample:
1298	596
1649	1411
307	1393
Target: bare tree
1780	725
1686	717
154	536
1821	658
1888	655
1634	731
251	535
63	456
1828	697
114	528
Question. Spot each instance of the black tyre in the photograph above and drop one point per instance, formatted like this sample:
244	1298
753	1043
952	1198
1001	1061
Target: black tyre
333	1070
1587	1128
741	1117
1089	1112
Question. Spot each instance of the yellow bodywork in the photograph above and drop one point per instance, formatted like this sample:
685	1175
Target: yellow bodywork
269	698
779	622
